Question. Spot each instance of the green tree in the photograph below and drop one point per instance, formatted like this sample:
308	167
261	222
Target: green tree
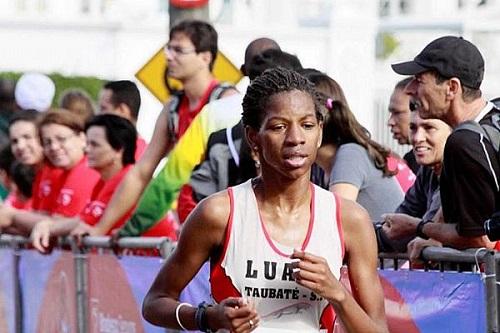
386	45
92	85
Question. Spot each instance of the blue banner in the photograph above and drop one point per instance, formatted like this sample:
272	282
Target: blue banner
418	301
116	290
48	292
118	287
7	287
415	301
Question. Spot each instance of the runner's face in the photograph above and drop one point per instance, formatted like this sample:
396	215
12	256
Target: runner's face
25	142
289	136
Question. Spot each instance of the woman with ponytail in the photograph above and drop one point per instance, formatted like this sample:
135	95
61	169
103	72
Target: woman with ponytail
359	168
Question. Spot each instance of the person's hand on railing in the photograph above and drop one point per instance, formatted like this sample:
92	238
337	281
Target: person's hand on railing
113	241
6	215
398	226
40	236
82	230
416	246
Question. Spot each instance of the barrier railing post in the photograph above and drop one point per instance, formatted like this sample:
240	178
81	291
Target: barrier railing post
18	295
497	282
80	260
166	248
491	292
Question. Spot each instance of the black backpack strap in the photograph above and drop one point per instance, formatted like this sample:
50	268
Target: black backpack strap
491	132
175	103
471	125
173	115
495	120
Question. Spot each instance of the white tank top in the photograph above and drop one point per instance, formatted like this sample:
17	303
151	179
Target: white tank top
255	266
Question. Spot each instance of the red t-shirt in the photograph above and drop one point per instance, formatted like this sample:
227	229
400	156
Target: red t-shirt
185	202
14	200
140	147
186	115
166	227
68	193
101	195
43	188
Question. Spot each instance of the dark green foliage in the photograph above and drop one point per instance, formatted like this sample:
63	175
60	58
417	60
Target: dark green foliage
90	84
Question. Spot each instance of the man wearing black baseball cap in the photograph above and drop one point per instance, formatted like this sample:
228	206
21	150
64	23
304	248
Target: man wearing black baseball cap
450	64
447	76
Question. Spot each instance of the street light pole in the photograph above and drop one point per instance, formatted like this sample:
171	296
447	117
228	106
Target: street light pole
179	10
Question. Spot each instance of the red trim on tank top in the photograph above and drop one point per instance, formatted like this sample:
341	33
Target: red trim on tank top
309	229
328	315
339	223
327	318
229	227
220	284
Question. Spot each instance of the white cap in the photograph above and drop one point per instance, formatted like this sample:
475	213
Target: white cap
34	91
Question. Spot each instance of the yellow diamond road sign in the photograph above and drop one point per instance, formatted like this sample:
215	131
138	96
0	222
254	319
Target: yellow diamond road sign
152	74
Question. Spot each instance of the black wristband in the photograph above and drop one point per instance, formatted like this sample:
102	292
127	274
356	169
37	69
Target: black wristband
420	229
201	317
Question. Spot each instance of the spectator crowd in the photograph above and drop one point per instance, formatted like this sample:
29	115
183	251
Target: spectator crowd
288	153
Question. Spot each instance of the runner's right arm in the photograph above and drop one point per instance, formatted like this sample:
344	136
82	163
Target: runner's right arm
201	238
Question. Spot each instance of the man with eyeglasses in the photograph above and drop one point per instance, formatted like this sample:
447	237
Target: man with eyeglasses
190	52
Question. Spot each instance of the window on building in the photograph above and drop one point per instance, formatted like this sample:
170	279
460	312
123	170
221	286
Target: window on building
85	6
404	6
384	8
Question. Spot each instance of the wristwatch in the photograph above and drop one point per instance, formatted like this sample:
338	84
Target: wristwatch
201	317
420	229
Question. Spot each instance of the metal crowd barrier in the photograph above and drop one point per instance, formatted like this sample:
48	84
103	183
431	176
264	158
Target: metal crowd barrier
488	261
446	258
164	245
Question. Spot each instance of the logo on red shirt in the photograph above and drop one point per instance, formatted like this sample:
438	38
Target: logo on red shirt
45	188
95	209
65	197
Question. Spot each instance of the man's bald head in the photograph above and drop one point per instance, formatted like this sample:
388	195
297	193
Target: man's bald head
255	47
